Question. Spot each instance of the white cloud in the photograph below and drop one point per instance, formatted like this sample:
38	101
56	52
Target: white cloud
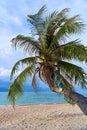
7	18
4	71
5	53
5	46
16	20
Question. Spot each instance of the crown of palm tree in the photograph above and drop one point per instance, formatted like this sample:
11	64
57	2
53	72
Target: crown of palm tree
48	43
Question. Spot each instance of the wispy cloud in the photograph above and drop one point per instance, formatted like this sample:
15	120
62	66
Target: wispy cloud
4	72
7	72
6	53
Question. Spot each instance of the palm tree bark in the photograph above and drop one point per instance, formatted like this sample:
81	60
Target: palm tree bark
79	99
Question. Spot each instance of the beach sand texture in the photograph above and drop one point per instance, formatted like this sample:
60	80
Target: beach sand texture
42	117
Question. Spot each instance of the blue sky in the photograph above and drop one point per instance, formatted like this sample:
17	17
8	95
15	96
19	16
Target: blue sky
13	14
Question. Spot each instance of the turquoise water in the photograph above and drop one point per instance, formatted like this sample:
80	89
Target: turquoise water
33	98
36	98
44	95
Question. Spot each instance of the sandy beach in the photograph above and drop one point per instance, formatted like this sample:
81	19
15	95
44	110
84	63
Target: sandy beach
42	117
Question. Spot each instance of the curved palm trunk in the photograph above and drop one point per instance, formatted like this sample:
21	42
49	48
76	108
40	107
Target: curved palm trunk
79	99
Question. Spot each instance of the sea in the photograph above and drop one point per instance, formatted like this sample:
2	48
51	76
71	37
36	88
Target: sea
43	95
30	98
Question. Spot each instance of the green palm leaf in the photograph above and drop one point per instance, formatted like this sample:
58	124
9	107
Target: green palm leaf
72	50
28	44
37	21
52	22
26	61
16	89
75	72
73	25
63	82
42	10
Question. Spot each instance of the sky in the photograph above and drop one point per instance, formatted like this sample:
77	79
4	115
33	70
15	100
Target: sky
13	21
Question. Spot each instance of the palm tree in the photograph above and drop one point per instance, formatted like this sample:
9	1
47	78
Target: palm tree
52	55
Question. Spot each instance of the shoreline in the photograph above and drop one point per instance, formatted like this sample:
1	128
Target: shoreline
42	117
34	104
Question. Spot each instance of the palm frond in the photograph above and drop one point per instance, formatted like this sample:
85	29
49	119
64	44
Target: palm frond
63	13
77	73
53	22
29	44
69	100
16	88
66	83
37	16
26	61
37	21
62	81
42	10
72	50
73	25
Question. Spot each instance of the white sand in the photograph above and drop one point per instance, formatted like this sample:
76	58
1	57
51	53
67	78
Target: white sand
42	117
